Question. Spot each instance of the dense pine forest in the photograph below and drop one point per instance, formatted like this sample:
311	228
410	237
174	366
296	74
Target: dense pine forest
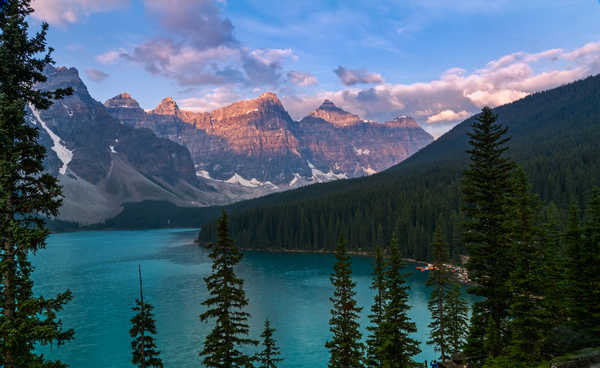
554	139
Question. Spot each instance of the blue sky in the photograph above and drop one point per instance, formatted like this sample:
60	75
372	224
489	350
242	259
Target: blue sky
435	60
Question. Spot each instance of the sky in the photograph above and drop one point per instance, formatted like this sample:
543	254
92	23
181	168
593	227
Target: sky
438	61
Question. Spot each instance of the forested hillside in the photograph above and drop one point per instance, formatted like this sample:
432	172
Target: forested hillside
555	137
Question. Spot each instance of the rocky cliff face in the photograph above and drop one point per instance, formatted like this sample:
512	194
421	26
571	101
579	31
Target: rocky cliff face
257	139
103	163
334	115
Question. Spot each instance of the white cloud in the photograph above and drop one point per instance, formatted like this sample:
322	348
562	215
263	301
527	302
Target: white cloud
448	115
109	57
61	12
213	100
302	79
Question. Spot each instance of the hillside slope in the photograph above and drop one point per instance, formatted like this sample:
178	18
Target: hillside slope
555	138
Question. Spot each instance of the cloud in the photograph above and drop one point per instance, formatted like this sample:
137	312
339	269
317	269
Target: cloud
110	57
355	76
302	79
96	75
199	48
218	97
448	115
62	12
198	21
458	93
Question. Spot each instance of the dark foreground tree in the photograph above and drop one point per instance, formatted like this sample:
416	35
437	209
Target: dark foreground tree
27	194
377	310
144	349
226	303
457	311
439	281
269	356
397	349
345	347
527	313
585	272
487	195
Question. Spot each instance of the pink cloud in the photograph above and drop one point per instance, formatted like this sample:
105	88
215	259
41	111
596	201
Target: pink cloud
62	12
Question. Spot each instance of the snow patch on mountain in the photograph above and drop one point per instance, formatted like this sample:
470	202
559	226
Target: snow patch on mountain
204	174
362	151
322	177
252	183
368	170
64	154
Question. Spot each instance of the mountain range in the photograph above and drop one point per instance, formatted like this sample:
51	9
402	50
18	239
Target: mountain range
554	138
108	155
256	142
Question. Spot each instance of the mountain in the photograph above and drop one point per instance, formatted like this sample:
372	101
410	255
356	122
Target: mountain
102	163
555	138
257	144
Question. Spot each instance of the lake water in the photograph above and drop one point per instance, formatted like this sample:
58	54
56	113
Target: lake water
100	268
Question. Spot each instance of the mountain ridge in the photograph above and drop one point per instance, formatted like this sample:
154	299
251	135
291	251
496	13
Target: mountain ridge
257	139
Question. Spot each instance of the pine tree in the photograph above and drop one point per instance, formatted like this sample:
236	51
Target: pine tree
27	194
397	348
555	280
574	242
226	305
527	314
145	353
439	280
345	347
269	356
487	230
457	312
377	311
586	304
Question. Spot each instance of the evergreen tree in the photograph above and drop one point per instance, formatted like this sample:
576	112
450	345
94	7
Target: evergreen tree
574	241
457	312
377	311
226	305
269	357
487	230
345	347
27	194
555	280
586	304
145	353
397	348
527	315
439	281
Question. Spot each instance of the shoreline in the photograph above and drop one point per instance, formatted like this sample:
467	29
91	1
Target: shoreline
460	274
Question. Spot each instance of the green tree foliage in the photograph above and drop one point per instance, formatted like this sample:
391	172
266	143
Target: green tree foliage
269	356
144	349
345	347
397	348
528	318
457	312
27	194
226	306
439	281
377	311
585	270
487	190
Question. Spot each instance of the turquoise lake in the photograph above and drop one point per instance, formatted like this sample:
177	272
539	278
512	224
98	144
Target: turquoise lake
100	268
